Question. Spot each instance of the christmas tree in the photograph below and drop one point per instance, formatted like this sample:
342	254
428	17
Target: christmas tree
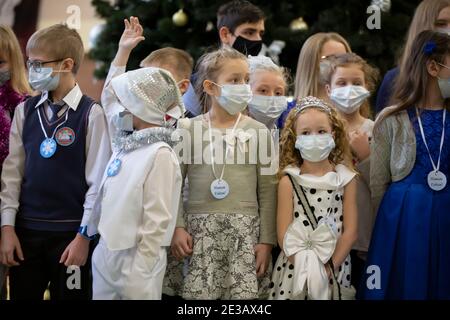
191	25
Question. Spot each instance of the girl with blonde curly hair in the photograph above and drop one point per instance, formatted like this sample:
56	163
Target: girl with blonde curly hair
316	215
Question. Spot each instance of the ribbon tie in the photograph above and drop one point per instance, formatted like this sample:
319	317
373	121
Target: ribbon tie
240	137
311	250
56	108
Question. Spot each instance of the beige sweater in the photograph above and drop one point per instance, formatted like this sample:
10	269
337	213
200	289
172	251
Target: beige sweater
393	153
252	190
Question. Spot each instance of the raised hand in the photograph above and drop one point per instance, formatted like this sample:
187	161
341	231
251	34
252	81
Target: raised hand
132	35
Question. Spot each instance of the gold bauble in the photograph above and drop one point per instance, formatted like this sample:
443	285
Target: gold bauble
298	25
180	19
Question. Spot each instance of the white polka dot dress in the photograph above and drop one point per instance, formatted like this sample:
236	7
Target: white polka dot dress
325	196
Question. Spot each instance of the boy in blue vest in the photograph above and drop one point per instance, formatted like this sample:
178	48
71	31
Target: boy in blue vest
59	147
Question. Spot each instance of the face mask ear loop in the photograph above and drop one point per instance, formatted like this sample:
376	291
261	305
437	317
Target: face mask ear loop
218	85
60	67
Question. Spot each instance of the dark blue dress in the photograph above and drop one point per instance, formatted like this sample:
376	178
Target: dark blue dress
411	239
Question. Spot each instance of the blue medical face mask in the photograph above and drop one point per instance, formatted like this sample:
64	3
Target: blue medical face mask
41	79
5	76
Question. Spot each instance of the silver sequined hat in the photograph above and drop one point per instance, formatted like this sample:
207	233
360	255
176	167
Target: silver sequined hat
148	93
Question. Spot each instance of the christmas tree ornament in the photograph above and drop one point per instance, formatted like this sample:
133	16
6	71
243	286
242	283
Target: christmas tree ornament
384	5
94	34
209	26
298	24
180	19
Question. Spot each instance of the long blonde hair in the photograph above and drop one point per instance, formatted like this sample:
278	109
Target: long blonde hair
308	66
424	18
289	155
11	52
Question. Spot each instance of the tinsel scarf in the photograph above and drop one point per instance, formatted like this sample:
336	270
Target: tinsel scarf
126	142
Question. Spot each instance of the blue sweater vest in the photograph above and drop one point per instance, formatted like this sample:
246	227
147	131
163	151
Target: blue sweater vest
54	189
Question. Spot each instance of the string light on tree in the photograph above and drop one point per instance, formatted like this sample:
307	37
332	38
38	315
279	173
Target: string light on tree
209	26
180	18
384	5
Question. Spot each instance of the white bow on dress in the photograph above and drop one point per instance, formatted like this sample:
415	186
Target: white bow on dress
311	250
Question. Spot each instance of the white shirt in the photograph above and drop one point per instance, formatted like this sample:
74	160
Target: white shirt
98	151
109	100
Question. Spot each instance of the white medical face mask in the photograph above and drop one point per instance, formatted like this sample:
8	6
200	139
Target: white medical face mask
234	98
316	147
349	99
124	121
443	30
266	109
444	85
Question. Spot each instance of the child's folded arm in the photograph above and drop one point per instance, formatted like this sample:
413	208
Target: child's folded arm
13	170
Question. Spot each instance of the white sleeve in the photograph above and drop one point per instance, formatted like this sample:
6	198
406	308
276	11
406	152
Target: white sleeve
98	152
110	103
13	170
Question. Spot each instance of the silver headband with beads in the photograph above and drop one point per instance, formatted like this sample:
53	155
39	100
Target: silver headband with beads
312	102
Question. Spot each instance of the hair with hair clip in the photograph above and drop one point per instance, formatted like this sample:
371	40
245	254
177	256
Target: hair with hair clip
411	85
429	47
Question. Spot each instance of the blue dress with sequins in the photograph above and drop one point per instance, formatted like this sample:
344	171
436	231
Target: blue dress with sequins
409	254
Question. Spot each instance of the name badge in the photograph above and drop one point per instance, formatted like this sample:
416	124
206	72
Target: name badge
220	189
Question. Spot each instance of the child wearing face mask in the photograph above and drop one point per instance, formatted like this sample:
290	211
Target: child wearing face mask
268	83
59	147
316	216
409	174
240	26
136	211
226	229
312	64
178	62
349	84
14	88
